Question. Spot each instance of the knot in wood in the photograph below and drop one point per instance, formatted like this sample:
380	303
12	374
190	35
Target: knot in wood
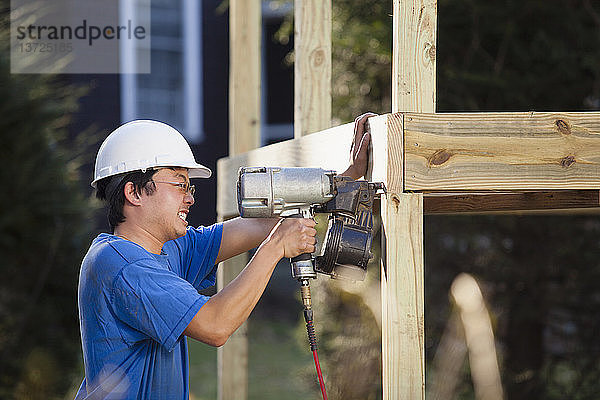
396	201
563	127
430	52
439	157
318	57
567	161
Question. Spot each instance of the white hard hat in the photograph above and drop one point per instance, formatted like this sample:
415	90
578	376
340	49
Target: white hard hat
142	145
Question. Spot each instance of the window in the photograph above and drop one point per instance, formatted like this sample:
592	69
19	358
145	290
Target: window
172	91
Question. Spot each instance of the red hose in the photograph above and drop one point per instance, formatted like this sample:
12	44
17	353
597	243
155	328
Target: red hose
319	374
310	329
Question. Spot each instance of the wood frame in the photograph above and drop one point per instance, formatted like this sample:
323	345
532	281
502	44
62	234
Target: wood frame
439	163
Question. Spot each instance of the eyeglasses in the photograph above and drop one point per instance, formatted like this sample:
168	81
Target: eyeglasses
184	186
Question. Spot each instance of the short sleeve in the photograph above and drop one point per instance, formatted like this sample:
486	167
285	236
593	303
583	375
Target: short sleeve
155	301
197	253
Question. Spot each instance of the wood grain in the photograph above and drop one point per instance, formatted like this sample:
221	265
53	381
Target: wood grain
244	75
402	291
414	55
312	66
502	151
413	90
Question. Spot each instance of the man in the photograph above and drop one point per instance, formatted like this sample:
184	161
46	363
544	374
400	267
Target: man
138	287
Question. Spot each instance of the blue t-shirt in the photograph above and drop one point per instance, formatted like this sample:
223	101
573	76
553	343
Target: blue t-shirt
133	309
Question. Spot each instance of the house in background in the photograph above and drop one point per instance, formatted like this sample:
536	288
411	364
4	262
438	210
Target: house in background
188	84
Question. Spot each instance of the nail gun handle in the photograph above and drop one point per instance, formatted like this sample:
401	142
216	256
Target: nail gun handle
302	257
303	266
305	256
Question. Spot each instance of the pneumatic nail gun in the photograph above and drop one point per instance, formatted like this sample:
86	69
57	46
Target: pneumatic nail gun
265	192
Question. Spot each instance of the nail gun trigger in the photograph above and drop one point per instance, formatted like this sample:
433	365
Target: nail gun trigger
379	188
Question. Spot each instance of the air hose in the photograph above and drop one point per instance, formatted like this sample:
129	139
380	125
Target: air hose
310	329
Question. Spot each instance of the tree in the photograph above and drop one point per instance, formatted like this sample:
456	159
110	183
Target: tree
43	231
361	58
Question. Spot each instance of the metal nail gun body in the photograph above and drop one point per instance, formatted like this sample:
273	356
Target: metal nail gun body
266	192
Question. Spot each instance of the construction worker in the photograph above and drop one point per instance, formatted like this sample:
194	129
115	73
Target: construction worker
138	286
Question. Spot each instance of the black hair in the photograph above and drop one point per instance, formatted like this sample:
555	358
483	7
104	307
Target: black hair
112	188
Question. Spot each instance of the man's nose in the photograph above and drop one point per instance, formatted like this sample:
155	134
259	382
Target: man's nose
189	198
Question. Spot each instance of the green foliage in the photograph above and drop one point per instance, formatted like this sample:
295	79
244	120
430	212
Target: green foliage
43	231
518	56
361	58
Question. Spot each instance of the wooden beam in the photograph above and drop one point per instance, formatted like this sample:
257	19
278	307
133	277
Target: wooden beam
502	151
244	135
328	150
386	150
402	283
414	55
312	66
429	133
579	201
402	279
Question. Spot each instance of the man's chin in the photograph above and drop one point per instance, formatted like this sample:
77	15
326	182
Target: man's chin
182	232
178	233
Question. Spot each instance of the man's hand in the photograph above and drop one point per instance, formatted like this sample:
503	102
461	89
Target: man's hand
294	236
359	154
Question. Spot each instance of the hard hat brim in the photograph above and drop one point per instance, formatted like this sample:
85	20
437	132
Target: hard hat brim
194	172
199	172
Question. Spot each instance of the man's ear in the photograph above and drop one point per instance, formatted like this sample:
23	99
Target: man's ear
131	195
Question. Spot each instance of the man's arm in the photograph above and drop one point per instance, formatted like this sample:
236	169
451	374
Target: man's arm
243	234
224	312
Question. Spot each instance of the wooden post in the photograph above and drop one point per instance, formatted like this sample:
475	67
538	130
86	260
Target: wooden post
413	90
402	289
312	66
244	75
232	358
414	54
244	135
402	297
